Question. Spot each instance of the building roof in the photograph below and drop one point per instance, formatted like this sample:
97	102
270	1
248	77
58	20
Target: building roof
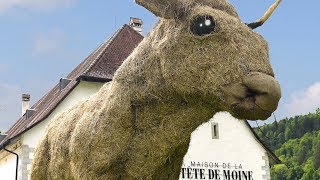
99	66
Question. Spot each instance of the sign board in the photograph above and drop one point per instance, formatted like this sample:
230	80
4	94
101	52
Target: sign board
215	171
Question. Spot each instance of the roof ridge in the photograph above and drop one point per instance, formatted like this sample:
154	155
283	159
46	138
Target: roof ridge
107	44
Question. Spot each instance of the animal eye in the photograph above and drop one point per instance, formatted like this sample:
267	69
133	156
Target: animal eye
203	25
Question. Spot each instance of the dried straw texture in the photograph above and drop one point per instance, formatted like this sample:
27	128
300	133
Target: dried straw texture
139	125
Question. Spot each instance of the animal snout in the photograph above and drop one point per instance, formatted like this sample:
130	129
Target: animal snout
265	90
256	97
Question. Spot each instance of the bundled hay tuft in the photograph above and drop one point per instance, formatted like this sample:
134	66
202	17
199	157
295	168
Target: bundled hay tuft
198	60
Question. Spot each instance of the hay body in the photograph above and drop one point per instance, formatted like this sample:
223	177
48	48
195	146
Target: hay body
139	125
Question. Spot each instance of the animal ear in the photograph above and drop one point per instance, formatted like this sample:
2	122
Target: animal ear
162	8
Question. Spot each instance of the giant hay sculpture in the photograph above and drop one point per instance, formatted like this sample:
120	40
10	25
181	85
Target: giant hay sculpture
199	59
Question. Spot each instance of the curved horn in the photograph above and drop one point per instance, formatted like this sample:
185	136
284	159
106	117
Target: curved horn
265	17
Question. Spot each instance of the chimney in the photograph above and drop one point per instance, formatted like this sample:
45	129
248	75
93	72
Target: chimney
25	103
136	24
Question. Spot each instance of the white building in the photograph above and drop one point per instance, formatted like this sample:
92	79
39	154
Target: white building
226	148
85	80
223	145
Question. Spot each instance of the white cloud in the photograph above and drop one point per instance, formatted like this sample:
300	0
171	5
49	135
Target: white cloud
6	5
304	101
48	43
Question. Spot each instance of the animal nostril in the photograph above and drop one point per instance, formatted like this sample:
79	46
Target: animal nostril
251	93
254	92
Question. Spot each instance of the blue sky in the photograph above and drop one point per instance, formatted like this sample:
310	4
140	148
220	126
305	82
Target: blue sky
42	41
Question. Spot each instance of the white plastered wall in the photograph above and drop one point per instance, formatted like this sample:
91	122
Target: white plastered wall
236	145
31	138
81	92
8	166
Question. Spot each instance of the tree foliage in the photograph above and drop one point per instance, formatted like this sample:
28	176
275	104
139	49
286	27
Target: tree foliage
296	141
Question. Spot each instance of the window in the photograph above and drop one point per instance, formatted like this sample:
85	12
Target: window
215	130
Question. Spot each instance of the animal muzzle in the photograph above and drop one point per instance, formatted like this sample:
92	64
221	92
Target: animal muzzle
256	97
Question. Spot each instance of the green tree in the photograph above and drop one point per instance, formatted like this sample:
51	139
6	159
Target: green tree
280	172
316	153
309	171
290	128
296	141
318	112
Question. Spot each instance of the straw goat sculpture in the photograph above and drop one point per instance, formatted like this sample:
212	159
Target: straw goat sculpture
199	59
